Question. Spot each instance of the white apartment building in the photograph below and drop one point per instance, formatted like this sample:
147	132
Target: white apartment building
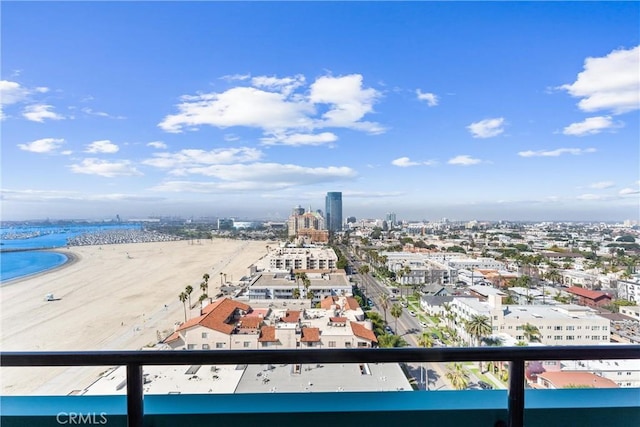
629	289
632	311
558	325
285	286
286	259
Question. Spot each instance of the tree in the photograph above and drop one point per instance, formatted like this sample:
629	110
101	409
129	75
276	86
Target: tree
188	290
376	322
201	299
457	376
425	340
384	303
390	340
396	311
531	332
183	298
479	326
296	293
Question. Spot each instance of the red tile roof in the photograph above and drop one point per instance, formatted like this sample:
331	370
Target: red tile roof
565	379
171	338
361	332
291	316
268	334
216	315
328	301
338	319
587	293
352	304
247	322
310	335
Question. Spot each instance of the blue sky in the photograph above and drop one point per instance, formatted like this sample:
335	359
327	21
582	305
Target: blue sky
523	111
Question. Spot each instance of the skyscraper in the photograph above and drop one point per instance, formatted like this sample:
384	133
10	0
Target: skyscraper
333	211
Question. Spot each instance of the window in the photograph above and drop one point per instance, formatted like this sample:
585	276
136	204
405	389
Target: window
246	344
557	337
205	346
332	343
570	337
595	337
519	328
191	346
557	328
219	345
347	344
205	335
595	328
570	328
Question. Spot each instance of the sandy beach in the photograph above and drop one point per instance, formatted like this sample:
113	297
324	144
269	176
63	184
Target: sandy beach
109	297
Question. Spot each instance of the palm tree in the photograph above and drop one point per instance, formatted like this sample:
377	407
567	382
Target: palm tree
479	326
376	322
183	298
384	303
389	340
531	332
396	311
457	376
296	293
188	291
425	340
201	299
204	287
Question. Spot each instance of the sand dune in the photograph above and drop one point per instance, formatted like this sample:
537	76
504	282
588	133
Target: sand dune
111	297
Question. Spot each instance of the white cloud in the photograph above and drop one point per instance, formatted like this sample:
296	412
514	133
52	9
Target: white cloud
92	166
91	112
103	146
591	126
273	105
190	158
430	98
610	83
12	92
627	191
240	106
349	102
464	160
557	152
404	162
157	144
487	128
284	85
298	139
236	77
40	112
44	145
258	176
602	185
590	197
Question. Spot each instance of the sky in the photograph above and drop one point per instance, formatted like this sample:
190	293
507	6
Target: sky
485	111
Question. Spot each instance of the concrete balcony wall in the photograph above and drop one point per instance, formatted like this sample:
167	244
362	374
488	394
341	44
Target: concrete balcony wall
543	408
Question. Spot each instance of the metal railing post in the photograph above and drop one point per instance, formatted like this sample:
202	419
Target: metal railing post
516	393
135	403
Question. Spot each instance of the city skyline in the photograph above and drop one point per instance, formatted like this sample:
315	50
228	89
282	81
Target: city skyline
490	111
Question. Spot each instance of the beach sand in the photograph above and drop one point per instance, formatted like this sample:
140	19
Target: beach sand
109	297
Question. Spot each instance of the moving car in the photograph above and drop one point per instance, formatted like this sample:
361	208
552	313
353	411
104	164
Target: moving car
484	385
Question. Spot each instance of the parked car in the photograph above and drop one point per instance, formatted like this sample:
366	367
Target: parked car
388	329
424	324
370	302
484	385
412	313
404	304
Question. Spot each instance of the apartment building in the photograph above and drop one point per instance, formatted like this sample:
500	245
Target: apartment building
309	258
558	325
286	286
629	289
228	324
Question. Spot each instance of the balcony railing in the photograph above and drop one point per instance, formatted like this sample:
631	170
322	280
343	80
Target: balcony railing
135	360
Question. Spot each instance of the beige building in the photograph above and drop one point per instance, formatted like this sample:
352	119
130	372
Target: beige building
558	325
229	324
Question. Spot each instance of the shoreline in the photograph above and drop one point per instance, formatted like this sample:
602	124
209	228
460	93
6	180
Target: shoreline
109	297
72	258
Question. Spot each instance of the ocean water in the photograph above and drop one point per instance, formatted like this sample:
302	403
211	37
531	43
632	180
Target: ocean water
26	262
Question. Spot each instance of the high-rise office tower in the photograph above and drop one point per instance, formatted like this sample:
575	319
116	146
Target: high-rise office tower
333	211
